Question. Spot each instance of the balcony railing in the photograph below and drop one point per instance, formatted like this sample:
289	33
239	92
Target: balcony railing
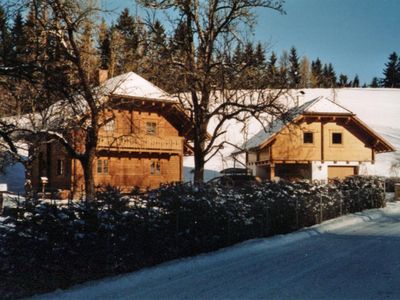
141	143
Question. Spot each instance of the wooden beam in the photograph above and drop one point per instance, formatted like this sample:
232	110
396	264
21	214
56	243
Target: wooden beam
373	155
272	172
322	142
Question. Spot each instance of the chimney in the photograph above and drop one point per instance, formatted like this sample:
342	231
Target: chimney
103	76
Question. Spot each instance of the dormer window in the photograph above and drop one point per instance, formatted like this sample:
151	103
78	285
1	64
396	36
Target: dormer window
308	138
337	138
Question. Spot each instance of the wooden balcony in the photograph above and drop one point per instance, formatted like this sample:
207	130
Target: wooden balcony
141	143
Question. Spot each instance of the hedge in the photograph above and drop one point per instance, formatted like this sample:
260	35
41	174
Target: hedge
45	246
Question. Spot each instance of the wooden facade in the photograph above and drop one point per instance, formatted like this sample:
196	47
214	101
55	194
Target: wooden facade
316	145
141	146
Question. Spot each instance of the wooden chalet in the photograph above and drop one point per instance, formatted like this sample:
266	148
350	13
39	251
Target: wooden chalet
319	140
142	146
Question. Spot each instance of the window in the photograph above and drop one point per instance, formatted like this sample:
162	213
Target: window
155	168
308	138
336	138
151	128
60	167
110	126
102	166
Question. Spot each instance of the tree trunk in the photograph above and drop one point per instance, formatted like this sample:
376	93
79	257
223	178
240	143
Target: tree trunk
87	166
199	153
198	167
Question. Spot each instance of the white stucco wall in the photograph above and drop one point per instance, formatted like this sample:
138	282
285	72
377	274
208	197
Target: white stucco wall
319	170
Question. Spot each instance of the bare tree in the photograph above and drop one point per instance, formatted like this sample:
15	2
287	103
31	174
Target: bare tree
205	76
64	102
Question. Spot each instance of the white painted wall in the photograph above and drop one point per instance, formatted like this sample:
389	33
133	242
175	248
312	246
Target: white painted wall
319	170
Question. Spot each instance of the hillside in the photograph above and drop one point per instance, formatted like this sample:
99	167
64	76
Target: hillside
379	108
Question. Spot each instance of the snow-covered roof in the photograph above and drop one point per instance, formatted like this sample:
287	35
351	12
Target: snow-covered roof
132	85
318	105
324	106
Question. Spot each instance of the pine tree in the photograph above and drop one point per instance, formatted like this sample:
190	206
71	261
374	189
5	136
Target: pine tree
328	76
375	83
343	80
129	35
259	56
19	40
316	73
238	55
272	71
294	69
356	81
392	72
157	51
5	38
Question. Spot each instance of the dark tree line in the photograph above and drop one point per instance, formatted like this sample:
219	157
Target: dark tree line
391	72
130	45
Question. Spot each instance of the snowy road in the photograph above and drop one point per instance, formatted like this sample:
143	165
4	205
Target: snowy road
353	257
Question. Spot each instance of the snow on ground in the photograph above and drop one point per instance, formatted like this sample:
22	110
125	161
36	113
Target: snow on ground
379	108
351	257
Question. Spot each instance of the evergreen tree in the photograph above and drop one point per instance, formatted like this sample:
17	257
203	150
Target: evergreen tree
238	55
316	73
328	76
343	80
131	39
272	71
248	54
259	56
19	40
392	72
157	51
356	81
375	83
294	69
5	38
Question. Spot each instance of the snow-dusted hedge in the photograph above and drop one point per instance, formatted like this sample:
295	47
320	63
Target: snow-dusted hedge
44	246
390	182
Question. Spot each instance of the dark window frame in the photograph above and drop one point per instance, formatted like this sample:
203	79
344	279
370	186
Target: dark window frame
306	136
102	166
337	138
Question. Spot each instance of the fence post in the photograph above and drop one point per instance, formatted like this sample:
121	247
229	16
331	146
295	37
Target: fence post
320	208
297	213
229	229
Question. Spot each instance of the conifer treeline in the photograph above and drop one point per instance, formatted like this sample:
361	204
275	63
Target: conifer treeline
128	45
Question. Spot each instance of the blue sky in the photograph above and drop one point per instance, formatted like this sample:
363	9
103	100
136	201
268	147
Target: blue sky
356	36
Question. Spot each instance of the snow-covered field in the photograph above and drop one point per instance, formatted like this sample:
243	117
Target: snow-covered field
352	257
377	107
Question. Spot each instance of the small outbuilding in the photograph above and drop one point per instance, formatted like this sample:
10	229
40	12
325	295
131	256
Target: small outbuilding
319	140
